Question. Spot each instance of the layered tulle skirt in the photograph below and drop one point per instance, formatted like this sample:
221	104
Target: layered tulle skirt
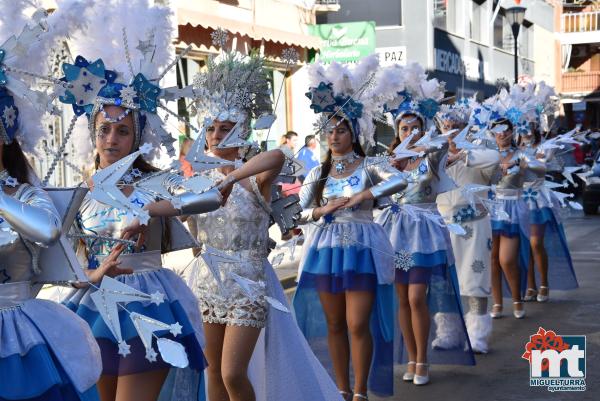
545	222
179	306
349	255
511	219
47	353
421	243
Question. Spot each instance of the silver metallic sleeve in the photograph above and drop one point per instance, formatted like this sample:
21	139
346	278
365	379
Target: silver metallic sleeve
192	203
33	215
386	179
188	202
534	165
307	195
482	158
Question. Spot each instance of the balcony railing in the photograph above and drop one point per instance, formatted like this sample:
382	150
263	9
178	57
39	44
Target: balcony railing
327	5
327	2
581	82
580	22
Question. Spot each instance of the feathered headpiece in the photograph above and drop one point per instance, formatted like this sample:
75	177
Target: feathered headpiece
417	95
355	94
458	112
233	87
127	49
26	33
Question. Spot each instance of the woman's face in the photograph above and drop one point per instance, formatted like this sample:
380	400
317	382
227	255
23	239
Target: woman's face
339	137
449	125
504	138
407	124
215	133
115	140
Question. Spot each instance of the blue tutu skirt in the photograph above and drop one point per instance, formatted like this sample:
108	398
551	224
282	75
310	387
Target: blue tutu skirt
179	305
341	257
544	216
421	240
516	225
46	353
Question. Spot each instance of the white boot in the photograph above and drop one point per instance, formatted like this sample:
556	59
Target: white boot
479	328
448	332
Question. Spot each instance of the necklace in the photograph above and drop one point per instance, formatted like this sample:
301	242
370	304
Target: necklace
342	162
6	179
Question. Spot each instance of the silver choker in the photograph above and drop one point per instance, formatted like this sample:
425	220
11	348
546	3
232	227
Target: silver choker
341	162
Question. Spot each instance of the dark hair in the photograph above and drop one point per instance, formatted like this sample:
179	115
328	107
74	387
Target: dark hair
139	163
397	139
326	168
15	162
290	134
537	135
308	139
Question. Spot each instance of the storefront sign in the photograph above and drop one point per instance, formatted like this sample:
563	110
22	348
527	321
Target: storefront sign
391	55
345	42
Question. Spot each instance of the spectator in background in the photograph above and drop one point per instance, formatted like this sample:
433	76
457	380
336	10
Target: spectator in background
308	155
186	167
289	143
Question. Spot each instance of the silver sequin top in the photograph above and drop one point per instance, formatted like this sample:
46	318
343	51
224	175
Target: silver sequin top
373	173
242	224
423	180
38	225
515	178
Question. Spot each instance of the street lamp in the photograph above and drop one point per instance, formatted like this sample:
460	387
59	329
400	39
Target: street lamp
515	16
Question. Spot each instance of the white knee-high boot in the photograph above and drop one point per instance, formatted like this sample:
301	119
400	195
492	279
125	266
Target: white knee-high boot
479	328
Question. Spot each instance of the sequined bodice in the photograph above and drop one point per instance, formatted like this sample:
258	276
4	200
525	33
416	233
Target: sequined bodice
513	179
17	255
99	220
422	181
241	224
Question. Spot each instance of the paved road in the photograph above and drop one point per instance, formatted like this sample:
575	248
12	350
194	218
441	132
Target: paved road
502	374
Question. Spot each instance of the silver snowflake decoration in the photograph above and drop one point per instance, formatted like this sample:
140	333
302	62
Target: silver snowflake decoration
124	349
403	260
9	116
127	179
243	98
290	55
127	94
11	182
347	238
414	105
219	38
151	355
478	266
136	173
175	329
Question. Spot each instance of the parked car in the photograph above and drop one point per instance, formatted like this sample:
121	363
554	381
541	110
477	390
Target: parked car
591	186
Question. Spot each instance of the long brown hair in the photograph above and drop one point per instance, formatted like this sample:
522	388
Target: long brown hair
326	168
397	139
15	162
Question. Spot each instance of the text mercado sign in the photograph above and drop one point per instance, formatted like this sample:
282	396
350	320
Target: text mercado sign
345	42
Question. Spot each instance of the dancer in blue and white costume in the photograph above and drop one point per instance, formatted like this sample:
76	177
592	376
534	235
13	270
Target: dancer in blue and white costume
549	249
510	215
344	291
425	276
124	234
472	248
47	353
255	349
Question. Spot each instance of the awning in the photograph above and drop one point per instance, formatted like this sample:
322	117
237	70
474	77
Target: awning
195	18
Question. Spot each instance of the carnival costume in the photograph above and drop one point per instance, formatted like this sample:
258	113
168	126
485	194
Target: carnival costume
509	210
46	351
544	205
346	250
233	279
131	312
471	248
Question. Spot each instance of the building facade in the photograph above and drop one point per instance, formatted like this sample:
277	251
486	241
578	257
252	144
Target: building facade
579	61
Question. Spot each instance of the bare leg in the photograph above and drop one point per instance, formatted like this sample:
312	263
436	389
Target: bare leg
530	270
496	273
334	306
405	319
358	313
237	350
107	387
215	335
541	257
509	254
420	323
142	386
